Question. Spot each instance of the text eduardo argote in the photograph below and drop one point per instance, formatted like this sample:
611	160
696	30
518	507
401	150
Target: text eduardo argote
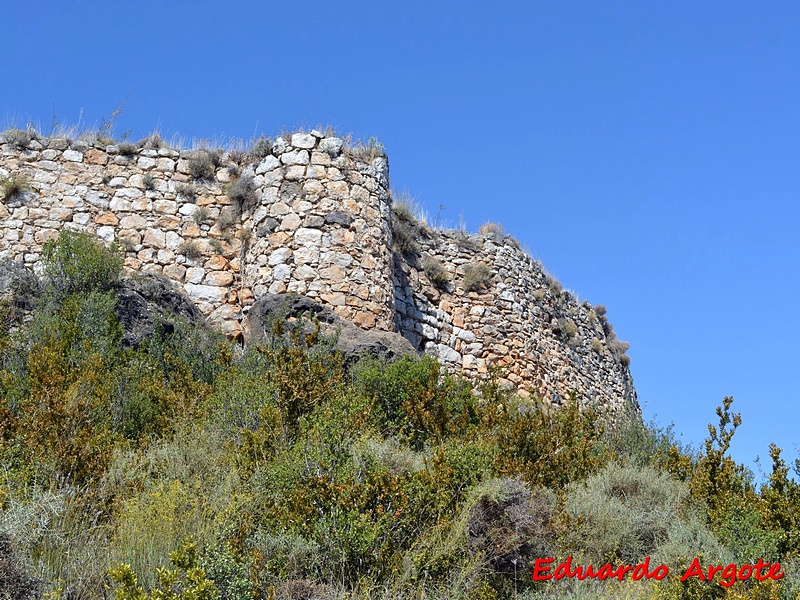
728	574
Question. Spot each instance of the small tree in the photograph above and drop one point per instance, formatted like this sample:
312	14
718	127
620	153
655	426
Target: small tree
78	262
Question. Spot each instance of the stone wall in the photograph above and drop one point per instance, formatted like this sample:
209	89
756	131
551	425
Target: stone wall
312	218
519	319
308	214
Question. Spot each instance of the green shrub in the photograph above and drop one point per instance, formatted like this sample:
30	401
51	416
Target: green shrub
408	224
568	328
186	581
466	242
226	219
367	151
554	285
477	277
415	401
216	245
187	190
11	187
15	580
148	181
78	262
17	137
200	215
509	527
622	514
405	237
435	271
242	191
202	165
190	249
547	446
127	149
260	148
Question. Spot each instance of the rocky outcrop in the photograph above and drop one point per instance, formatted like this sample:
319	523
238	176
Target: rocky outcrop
350	340
147	301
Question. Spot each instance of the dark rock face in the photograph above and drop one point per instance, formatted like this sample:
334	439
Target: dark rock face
339	217
146	299
351	340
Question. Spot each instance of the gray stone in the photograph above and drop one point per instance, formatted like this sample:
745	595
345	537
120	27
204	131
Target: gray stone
303	140
267	164
351	340
296	157
332	146
339	217
73	156
307	237
144	300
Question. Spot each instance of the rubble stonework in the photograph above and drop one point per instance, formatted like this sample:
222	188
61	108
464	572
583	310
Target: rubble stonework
313	217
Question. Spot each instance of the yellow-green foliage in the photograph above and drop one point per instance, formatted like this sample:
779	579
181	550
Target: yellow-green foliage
298	475
185	582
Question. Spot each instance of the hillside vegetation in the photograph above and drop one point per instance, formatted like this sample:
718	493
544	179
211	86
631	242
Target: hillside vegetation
185	468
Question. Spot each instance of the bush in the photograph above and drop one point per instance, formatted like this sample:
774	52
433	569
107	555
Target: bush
226	219
477	277
190	249
78	262
148	181
491	229
127	149
187	190
261	148
185	582
200	215
435	271
510	526
242	191
13	186
202	165
568	328
404	236
17	137
547	446
15	582
623	514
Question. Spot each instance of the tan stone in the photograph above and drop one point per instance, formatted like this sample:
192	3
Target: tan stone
334	273
190	230
337	299
60	214
365	320
132	263
278	239
154	238
133	222
107	218
95	157
217	263
337	189
45	235
130	238
219	278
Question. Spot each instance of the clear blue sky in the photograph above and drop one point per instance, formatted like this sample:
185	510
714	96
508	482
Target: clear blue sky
648	153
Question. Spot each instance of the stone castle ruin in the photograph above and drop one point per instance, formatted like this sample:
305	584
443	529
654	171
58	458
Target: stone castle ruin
309	214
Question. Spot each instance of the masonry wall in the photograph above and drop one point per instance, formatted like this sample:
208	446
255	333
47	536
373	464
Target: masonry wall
316	220
545	341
